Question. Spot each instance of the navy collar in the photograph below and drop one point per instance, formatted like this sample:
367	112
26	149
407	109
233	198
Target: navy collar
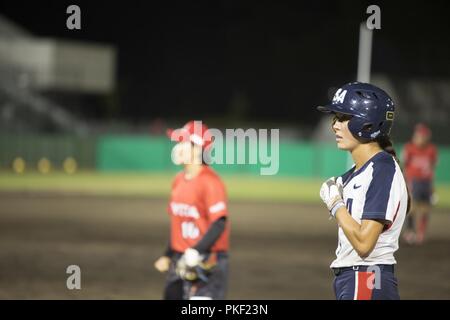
355	173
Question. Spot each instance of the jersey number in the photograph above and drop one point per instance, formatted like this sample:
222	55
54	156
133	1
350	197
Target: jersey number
349	205
189	230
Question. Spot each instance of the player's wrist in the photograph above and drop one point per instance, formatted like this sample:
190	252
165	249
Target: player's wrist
339	204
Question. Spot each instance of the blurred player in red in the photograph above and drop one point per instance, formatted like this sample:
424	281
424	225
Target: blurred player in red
199	230
419	158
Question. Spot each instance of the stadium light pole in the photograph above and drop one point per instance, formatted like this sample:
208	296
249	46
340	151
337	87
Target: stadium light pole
364	62
364	53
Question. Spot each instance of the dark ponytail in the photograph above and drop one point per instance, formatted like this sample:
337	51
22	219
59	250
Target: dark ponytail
385	143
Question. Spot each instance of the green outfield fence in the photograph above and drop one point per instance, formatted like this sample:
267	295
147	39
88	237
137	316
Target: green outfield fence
109	153
56	148
119	153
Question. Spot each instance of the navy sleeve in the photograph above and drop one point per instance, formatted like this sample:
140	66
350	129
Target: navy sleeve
169	251
211	236
377	195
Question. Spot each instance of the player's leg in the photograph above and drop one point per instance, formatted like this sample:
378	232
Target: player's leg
424	211
388	287
409	235
363	285
174	289
344	285
423	222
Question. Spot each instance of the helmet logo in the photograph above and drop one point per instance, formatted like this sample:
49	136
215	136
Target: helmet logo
339	96
389	115
375	134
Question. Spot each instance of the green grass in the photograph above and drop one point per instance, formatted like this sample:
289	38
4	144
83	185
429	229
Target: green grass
273	189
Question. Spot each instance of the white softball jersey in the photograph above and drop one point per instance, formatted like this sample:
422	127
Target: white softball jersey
377	191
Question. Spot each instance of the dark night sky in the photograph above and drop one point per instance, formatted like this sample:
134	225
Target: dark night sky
193	58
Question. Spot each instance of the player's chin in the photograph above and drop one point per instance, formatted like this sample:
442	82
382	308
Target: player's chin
342	145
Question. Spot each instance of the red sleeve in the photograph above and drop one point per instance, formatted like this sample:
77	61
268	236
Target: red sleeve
215	198
434	155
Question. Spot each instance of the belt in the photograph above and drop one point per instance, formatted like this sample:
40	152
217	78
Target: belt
219	254
382	267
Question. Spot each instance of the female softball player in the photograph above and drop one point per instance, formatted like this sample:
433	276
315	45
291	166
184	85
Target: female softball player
370	201
196	258
419	158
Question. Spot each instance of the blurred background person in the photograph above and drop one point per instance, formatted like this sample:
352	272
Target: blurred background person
196	259
419	158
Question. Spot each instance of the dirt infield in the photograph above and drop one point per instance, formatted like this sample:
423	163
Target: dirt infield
279	251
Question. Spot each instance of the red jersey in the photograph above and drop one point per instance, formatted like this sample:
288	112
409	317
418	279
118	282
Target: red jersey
419	162
194	205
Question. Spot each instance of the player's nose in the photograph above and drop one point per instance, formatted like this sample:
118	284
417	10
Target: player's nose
336	126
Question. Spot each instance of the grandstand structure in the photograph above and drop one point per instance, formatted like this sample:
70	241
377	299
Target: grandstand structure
33	67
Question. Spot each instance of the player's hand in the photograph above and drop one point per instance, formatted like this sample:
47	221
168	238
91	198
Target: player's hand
191	257
162	264
331	193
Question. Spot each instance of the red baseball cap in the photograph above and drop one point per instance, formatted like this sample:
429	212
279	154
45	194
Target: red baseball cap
422	129
194	131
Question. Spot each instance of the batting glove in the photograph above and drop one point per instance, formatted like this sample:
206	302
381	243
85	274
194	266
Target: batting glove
331	193
192	257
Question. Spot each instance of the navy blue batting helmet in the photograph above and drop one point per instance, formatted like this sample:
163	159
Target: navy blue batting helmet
371	108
